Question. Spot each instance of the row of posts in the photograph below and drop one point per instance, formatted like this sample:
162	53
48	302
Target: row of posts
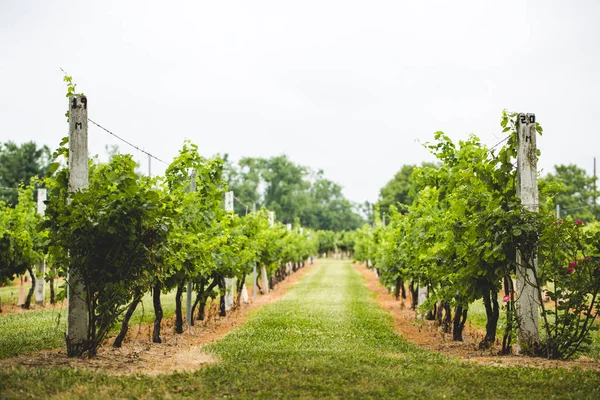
527	190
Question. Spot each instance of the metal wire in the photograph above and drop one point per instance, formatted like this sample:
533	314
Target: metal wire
129	143
239	201
500	142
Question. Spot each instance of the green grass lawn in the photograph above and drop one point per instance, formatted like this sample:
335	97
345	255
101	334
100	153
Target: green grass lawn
21	333
326	338
44	329
10	294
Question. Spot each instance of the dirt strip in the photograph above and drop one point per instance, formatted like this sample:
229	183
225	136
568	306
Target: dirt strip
427	335
176	352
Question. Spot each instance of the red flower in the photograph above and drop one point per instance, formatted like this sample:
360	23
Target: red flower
570	271
587	257
506	298
573	264
578	222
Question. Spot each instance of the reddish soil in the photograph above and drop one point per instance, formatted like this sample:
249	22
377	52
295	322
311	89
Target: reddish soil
177	352
427	335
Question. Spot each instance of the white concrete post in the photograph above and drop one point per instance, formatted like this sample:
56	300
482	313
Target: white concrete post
254	289
21	296
229	282
271	218
527	303
288	266
254	282
190	286
244	294
77	311
264	277
422	293
40	283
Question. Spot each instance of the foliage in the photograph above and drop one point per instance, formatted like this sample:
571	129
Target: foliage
107	236
399	191
326	241
463	230
292	192
577	194
570	263
21	240
18	164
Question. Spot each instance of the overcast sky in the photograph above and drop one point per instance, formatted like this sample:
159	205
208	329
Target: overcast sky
350	87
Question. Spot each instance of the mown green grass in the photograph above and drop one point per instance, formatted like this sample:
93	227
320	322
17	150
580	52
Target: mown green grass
21	333
24	332
326	338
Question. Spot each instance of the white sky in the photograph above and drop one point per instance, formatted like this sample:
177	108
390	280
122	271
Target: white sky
343	86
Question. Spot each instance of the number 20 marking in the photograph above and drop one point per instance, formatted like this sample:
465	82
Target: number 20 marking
527	119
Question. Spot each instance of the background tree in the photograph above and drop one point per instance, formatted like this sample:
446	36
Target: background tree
328	208
244	180
286	190
18	164
578	195
398	191
21	239
292	192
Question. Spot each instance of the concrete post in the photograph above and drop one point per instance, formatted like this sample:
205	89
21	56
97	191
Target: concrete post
421	299
189	288
77	310
264	277
229	282
254	282
40	283
527	303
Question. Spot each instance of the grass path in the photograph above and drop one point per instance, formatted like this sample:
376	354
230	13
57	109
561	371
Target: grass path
325	339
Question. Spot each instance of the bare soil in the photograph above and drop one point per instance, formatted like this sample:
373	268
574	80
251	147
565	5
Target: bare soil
427	335
177	352
15	309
